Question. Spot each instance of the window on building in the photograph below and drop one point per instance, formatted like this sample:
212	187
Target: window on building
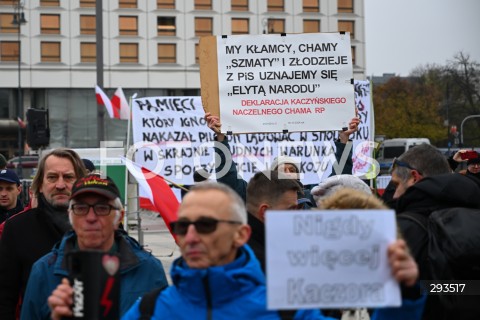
353	56
128	25
9	50
167	53
165	4
203	4
197	53
129	52
87	3
240	26
311	26
203	27
166	26
345	6
239	5
88	52
276	26
127	3
347	26
87	24
49	3
275	5
6	25
311	6
50	23
50	51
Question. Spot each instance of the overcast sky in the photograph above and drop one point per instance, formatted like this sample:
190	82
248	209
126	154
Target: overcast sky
403	34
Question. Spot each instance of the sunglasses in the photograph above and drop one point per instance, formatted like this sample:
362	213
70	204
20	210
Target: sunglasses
203	225
403	164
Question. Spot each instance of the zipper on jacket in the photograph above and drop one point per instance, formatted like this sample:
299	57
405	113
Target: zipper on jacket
208	296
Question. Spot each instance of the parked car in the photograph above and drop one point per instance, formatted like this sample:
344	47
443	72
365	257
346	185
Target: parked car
30	161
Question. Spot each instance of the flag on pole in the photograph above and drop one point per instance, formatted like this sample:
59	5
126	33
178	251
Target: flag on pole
157	190
21	123
103	100
119	103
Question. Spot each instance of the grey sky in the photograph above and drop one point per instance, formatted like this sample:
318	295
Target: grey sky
403	34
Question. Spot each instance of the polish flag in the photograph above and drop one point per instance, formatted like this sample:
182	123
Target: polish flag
158	192
21	123
103	100
120	104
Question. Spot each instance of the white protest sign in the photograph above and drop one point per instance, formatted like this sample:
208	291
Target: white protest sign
294	82
330	259
173	140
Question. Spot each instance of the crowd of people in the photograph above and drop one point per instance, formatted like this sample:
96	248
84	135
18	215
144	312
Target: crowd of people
220	230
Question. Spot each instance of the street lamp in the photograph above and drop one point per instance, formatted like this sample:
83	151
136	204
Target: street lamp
18	20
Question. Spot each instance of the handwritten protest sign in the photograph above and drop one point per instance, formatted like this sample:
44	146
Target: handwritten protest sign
330	259
173	140
294	82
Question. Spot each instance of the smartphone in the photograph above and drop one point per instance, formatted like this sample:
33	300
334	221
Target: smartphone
469	154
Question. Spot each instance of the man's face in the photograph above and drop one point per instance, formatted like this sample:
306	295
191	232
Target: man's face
400	185
474	168
8	194
288	169
58	180
212	249
94	231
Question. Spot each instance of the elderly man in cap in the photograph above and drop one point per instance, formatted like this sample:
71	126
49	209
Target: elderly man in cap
95	211
10	188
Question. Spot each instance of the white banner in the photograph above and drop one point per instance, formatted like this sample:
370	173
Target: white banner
330	259
173	140
294	82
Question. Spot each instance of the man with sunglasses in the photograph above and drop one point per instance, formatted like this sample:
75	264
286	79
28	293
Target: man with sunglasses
95	211
217	276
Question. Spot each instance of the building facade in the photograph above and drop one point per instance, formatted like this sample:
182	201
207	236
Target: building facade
150	47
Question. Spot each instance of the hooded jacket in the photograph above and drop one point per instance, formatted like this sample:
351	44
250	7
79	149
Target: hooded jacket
140	272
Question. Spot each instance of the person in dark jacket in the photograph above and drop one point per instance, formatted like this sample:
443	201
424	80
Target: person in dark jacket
30	235
227	171
95	212
472	158
10	189
425	184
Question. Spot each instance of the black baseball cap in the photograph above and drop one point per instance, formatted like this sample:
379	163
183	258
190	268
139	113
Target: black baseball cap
94	183
9	176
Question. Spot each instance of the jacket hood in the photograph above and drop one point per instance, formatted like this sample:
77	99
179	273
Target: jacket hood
442	191
221	283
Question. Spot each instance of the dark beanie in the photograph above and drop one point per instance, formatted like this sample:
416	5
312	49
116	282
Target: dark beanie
473	160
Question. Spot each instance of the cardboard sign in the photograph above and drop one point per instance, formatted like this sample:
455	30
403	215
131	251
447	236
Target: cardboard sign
330	259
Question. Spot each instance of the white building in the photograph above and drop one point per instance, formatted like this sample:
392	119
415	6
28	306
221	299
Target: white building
149	47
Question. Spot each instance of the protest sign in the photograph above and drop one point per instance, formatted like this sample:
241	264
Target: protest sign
277	83
173	140
330	259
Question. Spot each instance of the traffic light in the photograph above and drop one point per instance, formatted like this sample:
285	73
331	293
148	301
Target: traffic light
38	130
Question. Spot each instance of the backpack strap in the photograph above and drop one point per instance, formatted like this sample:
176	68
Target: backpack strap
418	218
147	304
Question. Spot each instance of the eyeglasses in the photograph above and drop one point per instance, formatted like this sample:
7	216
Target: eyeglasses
203	225
403	164
100	209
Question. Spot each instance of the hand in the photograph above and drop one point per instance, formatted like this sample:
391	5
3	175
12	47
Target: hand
214	124
61	300
352	127
458	156
404	267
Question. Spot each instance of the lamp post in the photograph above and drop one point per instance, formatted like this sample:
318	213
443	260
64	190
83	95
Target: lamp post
18	20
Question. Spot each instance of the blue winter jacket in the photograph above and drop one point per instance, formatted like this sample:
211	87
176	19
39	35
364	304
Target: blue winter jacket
237	291
140	272
233	291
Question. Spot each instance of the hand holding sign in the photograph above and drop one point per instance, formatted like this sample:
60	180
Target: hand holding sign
404	267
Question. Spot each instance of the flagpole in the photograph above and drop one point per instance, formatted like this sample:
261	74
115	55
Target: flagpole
129	127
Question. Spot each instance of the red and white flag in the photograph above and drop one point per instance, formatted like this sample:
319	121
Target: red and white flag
21	123
158	191
117	108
